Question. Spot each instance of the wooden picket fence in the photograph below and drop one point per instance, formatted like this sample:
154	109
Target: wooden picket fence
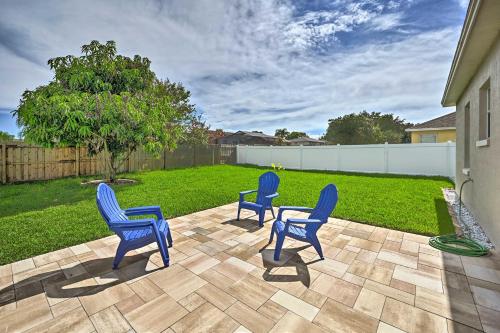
20	162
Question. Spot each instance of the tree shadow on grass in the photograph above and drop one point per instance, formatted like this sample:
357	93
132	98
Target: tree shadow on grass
91	277
21	198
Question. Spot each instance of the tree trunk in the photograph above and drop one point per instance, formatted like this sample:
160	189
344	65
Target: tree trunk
111	168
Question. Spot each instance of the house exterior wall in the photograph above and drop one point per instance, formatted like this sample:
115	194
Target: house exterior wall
441	135
482	196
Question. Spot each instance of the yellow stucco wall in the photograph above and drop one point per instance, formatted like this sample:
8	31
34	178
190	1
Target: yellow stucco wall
442	136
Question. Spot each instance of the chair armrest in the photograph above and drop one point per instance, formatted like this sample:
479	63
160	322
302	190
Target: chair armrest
303	221
295	208
272	196
247	192
146	210
242	194
131	224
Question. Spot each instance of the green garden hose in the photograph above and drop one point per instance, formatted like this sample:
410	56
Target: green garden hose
458	245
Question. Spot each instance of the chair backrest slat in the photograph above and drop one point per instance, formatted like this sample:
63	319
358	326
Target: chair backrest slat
108	205
268	184
326	203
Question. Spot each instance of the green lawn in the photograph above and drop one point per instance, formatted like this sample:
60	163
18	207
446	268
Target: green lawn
45	216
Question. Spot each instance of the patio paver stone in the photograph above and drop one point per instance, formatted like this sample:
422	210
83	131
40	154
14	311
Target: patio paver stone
223	278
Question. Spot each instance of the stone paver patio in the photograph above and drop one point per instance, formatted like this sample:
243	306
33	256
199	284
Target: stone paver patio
372	280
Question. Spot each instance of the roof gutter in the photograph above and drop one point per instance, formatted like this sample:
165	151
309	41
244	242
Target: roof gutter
430	129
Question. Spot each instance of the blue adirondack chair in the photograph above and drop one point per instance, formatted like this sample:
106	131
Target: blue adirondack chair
268	185
292	226
134	233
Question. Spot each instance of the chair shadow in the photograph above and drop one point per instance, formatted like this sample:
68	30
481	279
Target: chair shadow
56	285
245	223
294	260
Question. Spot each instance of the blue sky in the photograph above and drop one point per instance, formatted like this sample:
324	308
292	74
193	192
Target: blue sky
252	65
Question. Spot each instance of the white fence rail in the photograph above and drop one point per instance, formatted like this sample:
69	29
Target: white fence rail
430	159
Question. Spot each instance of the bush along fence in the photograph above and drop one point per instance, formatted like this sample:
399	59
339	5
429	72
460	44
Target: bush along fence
20	162
429	159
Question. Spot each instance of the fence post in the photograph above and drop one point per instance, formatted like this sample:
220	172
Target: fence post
338	157
194	155
77	161
386	157
44	165
4	163
164	158
301	157
213	154
129	158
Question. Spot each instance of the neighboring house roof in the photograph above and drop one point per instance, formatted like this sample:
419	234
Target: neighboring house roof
218	134
479	32
256	134
306	139
259	135
446	122
214	135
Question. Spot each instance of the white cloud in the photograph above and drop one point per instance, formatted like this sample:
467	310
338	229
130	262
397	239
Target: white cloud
463	3
321	26
250	64
386	21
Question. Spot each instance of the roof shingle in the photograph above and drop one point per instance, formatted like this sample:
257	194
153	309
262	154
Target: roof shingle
448	120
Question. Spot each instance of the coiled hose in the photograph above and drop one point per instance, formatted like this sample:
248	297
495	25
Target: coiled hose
458	245
455	244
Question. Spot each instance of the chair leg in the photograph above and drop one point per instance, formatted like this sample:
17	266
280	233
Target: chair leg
262	215
279	245
272	234
162	246
169	238
272	211
317	247
120	253
238	217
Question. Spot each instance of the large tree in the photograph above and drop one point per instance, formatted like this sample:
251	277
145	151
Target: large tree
283	134
111	104
296	135
367	128
4	136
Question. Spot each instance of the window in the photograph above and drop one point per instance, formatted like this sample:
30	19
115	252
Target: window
427	138
485	111
467	136
488	112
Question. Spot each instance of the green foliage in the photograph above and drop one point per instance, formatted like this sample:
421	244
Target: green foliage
283	133
60	213
296	135
109	103
367	128
4	136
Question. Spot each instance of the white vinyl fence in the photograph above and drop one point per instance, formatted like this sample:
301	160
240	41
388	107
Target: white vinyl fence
430	159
